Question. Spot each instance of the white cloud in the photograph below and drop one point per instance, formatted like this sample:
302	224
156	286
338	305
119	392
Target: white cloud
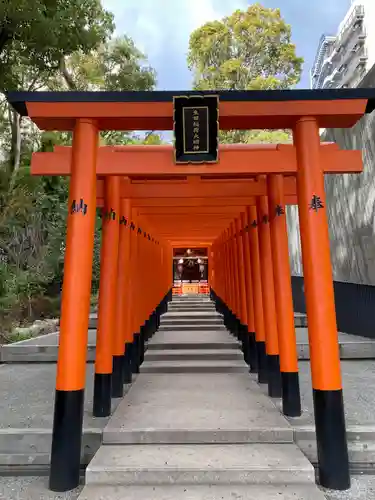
161	28
155	25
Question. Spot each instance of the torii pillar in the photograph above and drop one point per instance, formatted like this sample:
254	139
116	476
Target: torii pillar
75	310
321	314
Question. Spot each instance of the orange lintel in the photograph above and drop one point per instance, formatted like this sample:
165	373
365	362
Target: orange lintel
189	218
193	211
241	115
189	235
192	202
187	243
201	188
234	159
171	203
187	202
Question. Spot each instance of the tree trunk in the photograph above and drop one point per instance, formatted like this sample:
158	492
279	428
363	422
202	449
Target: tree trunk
66	75
5	36
15	152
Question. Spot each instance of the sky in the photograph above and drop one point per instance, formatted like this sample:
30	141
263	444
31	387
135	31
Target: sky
161	29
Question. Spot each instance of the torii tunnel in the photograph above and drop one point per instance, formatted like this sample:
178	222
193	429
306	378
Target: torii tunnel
234	207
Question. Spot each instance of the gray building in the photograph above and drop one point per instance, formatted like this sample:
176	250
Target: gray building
342	60
347	60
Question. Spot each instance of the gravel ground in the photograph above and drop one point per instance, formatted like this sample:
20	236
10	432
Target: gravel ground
363	488
32	488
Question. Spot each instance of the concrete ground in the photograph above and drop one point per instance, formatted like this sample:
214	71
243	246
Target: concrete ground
44	349
301	335
35	488
359	393
27	396
303	338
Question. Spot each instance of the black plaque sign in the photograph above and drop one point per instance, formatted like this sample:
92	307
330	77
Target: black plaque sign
196	129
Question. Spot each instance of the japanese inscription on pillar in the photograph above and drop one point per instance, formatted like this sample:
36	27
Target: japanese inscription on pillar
316	203
109	215
196	129
279	210
78	207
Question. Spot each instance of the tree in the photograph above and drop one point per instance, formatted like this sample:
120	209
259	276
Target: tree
248	50
256	136
35	38
114	65
33	210
44	31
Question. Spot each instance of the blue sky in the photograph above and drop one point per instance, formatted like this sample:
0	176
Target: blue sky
161	28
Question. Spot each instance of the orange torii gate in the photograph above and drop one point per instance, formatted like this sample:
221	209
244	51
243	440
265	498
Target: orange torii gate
249	257
190	222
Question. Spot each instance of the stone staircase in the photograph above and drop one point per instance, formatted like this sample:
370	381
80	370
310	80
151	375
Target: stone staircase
192	338
207	432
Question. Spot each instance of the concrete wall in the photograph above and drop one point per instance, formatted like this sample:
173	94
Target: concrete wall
350	206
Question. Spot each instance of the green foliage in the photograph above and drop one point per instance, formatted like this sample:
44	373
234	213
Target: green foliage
113	65
43	31
32	228
256	136
248	50
33	210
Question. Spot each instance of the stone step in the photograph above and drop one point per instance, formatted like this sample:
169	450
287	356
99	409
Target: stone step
203	492
361	443
300	320
193	354
194	367
196	409
192	346
14	353
191	296
199	464
199	326
192	314
206	303
196	437
192	318
28	447
187	310
44	349
187	302
191	321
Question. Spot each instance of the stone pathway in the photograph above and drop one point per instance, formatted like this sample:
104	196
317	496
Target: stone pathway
205	432
36	488
27	393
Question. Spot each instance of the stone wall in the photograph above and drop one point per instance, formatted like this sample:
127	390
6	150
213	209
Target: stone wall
350	203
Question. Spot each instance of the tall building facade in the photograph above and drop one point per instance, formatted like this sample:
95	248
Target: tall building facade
344	59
